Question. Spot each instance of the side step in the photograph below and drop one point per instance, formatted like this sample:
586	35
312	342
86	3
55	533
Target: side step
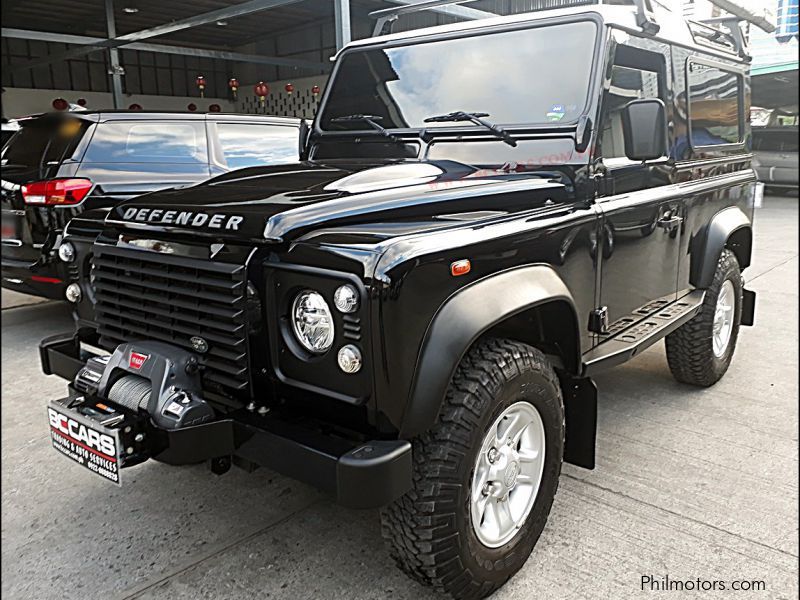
631	341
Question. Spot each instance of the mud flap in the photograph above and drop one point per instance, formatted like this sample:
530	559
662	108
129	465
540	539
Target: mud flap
580	413
748	307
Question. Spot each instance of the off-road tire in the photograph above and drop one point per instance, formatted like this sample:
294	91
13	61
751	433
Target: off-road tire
429	530
690	352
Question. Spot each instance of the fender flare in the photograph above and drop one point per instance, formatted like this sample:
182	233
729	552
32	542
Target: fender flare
709	246
463	318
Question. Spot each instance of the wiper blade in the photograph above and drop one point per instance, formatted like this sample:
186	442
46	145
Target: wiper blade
477	118
371	120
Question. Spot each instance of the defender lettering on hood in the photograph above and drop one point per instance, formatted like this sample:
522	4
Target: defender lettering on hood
183	218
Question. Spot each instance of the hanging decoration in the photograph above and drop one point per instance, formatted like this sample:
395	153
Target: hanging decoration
262	91
215	108
192	106
289	88
315	91
233	83
201	84
135	106
82	102
60	104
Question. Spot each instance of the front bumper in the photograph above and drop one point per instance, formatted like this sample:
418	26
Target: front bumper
359	474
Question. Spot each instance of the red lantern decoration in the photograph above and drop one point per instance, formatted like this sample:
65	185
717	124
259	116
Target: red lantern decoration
262	91
289	88
215	108
315	91
60	104
82	102
233	83
201	84
192	106
135	106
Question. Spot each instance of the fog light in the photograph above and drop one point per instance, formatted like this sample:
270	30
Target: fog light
66	252
73	293
349	359
346	299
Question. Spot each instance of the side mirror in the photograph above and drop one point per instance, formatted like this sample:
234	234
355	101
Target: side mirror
644	126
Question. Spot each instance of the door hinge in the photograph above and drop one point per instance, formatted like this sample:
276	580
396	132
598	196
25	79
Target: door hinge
598	320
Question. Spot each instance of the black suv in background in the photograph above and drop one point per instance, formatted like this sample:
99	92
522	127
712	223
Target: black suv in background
58	165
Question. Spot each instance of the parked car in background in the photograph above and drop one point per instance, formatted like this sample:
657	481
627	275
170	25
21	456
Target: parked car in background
775	159
60	164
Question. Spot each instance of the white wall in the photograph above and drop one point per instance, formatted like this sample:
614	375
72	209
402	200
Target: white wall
18	102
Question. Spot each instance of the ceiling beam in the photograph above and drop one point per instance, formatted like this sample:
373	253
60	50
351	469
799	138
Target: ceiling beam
65	38
125	40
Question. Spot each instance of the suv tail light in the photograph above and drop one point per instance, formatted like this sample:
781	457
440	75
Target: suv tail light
56	192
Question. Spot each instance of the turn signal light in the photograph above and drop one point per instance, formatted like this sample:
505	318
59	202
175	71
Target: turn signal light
56	192
460	267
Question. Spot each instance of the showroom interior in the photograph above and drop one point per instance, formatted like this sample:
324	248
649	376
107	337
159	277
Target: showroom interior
693	485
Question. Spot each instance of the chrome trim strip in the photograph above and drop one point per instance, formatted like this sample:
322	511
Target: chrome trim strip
708	162
676	191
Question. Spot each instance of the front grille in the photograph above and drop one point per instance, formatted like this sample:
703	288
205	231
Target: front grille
145	295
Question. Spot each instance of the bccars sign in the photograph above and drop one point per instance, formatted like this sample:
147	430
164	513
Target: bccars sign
183	217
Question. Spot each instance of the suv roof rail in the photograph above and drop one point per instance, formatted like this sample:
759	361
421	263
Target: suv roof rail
386	17
728	38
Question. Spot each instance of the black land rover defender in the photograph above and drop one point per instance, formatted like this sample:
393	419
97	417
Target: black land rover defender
411	316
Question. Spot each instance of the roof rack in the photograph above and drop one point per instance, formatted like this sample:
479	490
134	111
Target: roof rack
386	17
730	38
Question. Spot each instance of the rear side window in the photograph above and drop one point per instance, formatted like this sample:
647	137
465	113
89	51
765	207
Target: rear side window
43	143
714	105
148	142
251	145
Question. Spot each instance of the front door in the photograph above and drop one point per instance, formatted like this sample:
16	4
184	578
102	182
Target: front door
641	227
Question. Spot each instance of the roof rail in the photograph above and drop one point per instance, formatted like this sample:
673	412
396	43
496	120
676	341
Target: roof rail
730	38
386	17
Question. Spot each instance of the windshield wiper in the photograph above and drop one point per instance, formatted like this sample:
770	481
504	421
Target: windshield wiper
461	116
371	120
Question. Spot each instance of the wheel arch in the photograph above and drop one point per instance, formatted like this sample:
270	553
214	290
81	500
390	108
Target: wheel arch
530	304
729	228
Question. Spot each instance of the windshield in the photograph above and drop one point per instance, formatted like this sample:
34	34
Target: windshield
530	76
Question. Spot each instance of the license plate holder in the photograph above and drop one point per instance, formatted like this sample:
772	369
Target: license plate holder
85	441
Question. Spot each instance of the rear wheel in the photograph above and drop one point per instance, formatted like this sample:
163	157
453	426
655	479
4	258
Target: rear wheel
700	351
485	475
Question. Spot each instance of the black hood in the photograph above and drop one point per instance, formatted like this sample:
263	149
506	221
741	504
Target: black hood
281	203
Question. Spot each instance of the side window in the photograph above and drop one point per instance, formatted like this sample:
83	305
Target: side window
246	145
714	105
148	142
635	74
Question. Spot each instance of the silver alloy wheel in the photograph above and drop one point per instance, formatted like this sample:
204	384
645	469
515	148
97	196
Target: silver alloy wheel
723	318
507	474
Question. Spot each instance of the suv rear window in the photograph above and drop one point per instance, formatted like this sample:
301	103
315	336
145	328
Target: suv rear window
246	145
148	142
43	143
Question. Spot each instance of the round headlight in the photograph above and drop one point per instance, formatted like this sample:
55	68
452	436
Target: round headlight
73	292
346	299
312	321
349	359
66	252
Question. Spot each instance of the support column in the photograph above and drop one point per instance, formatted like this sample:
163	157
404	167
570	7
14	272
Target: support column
342	18
116	69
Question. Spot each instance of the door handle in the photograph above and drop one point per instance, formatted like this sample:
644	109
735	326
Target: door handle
669	222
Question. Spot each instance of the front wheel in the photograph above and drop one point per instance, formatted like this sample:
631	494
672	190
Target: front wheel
484	476
700	351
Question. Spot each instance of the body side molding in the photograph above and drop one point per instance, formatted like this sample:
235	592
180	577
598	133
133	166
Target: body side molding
468	314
